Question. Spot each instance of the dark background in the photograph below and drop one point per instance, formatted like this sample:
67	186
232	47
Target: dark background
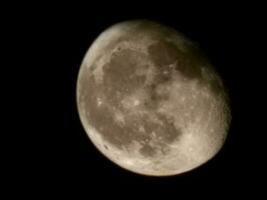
51	151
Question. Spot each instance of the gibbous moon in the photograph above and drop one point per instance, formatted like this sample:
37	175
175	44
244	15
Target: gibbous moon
150	101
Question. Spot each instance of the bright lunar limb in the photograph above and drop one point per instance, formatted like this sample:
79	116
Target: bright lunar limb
150	101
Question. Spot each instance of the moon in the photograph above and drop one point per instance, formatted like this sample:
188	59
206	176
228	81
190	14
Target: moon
150	101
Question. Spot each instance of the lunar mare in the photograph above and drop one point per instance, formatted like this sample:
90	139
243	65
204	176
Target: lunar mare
150	101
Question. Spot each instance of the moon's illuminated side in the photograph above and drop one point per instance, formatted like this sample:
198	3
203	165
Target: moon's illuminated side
149	101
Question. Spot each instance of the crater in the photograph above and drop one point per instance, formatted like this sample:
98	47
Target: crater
147	151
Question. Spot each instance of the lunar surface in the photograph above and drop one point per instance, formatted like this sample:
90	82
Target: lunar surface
150	101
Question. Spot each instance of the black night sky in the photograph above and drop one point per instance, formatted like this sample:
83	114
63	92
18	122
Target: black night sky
57	154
